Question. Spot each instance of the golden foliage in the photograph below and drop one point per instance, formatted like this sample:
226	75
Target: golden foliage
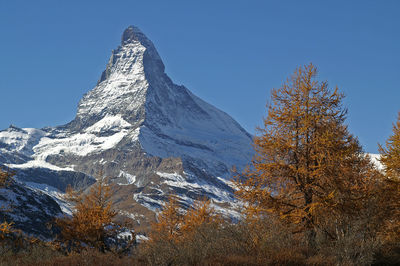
390	155
390	158
174	225
6	229
169	222
92	215
5	178
201	214
184	237
307	164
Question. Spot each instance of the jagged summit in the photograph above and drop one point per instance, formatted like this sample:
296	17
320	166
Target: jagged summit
132	34
134	44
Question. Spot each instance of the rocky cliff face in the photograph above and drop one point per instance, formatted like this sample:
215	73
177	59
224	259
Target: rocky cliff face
149	135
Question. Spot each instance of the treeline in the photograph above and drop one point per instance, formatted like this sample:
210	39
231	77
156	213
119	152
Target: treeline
311	196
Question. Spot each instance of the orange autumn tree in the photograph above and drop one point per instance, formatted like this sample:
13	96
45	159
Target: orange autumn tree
6	228
175	225
390	158
201	214
169	222
307	164
390	155
91	222
182	237
5	178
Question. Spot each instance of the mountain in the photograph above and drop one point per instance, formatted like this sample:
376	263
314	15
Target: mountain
151	137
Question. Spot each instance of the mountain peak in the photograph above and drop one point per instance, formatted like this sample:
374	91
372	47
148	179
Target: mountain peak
141	129
136	99
135	50
132	34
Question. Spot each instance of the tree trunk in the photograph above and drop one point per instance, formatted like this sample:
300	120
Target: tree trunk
310	230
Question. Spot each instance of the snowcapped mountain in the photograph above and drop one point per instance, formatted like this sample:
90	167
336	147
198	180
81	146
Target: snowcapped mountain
149	135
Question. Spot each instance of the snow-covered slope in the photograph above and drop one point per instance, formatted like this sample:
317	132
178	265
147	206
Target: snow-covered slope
151	136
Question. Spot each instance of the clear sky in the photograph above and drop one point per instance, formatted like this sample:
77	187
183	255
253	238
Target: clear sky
230	53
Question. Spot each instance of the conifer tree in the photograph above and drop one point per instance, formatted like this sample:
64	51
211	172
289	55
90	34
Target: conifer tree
390	196
6	228
168	226
175	225
307	164
182	237
390	155
92	220
5	178
202	214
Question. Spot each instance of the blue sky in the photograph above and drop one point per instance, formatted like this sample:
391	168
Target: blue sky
230	53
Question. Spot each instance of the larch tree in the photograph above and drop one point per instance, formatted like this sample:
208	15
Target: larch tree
307	164
5	178
390	158
201	214
92	220
182	237
6	228
390	155
175	225
169	222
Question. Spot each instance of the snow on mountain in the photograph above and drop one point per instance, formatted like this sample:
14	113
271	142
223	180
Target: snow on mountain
79	144
38	164
375	160
20	140
115	123
130	179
